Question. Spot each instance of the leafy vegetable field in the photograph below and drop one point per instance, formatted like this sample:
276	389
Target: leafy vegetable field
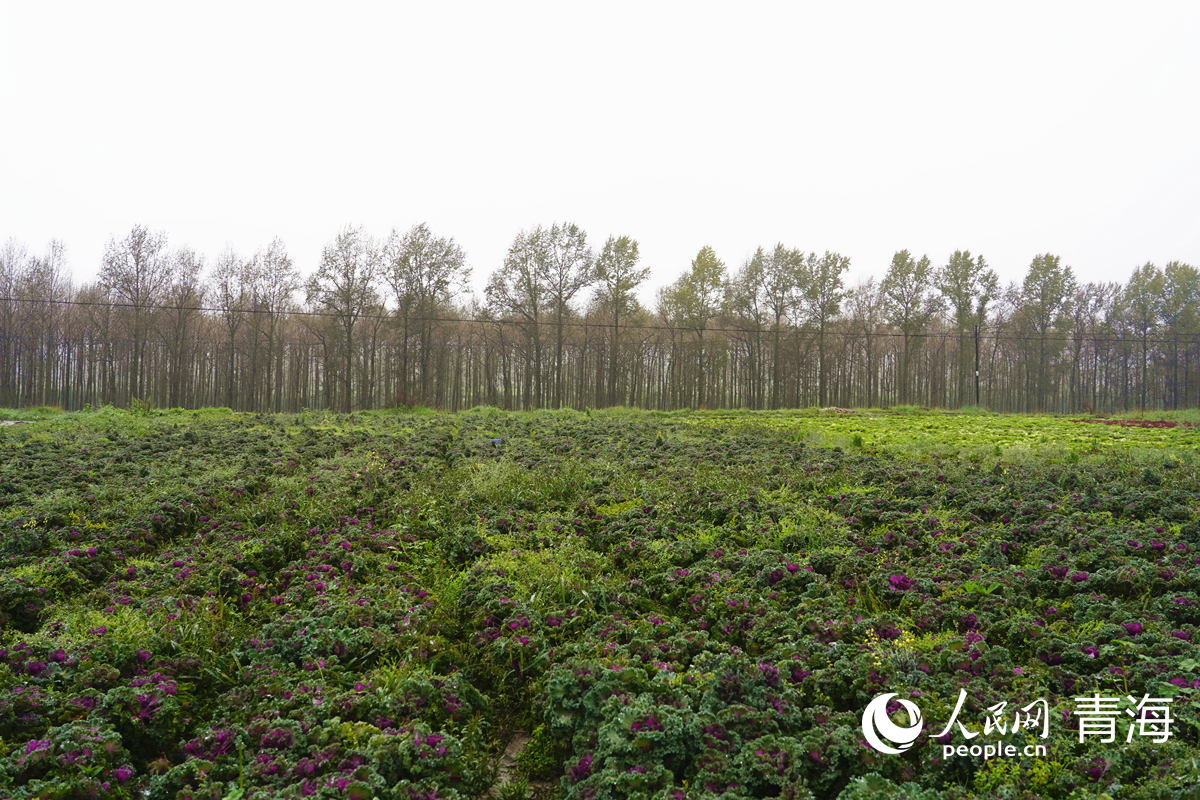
214	605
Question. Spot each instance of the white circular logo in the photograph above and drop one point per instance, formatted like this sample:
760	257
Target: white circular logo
876	722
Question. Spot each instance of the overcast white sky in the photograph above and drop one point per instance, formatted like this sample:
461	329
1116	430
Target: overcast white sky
1007	129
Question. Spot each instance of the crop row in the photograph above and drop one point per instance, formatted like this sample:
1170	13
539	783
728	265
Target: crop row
673	606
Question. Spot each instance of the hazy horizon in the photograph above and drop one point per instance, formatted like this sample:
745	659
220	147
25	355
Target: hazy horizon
860	129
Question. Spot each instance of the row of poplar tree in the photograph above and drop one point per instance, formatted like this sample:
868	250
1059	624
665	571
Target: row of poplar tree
393	322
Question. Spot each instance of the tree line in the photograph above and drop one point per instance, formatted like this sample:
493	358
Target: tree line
393	322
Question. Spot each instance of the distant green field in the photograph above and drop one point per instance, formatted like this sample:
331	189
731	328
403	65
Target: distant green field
1044	436
643	605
